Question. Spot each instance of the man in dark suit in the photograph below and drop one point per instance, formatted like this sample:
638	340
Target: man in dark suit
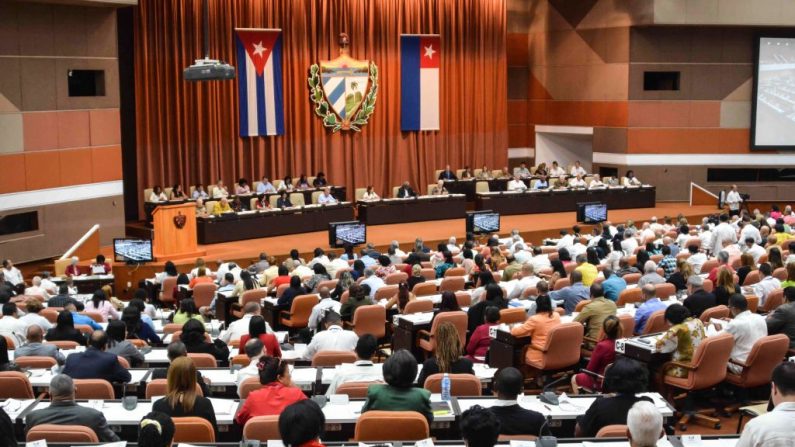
405	191
447	174
782	320
95	363
174	351
514	420
698	300
64	411
63	298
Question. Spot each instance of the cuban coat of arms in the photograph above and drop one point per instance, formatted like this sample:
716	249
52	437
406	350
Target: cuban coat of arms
344	90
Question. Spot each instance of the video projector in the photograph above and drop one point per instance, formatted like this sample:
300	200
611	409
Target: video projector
209	70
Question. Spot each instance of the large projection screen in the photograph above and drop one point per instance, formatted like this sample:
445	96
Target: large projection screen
773	120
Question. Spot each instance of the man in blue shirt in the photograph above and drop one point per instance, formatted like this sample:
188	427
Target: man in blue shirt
668	262
82	319
650	304
572	294
613	284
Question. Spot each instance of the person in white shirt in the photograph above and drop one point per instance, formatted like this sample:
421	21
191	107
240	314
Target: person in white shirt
723	232
299	269
766	284
775	428
334	264
319	310
631	180
747	229
373	281
746	328
326	198
540	260
516	184
753	249
577	182
10	326
596	182
732	249
629	244
334	338
12	274
254	350
239	327
265	187
646	233
452	246
370	195
696	259
220	190
577	170
733	200
33	307
158	195
529	279
319	257
566	240
521	254
36	289
363	370
556	171
398	251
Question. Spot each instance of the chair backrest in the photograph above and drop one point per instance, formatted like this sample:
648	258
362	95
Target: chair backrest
168	285
395	191
63	344
159	387
329	283
331	358
370	319
655	323
315	196
96	316
513	315
391	426
93	389
780	273
202	360
50	314
708	286
355	390
481	187
566	338
386	292
774	300
35	361
464	299
428	273
632	278
203	294
461	385
193	429
62	433
424	289
430	188
253	296
262	428
84	329
581	305
708	265
417	306
170	328
273	200
452	283
15	385
612	431
396	278
561	283
765	355
751	278
455	271
457	318
297	199
709	362
11	344
280	290
240	359
715	312
665	290
301	309
627	296
358	193
249	385
627	324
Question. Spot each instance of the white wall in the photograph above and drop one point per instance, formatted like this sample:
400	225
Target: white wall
564	144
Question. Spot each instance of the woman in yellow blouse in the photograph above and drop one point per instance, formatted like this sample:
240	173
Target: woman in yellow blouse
682	339
221	207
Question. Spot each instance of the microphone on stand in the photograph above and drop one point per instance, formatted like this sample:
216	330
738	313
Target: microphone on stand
550	397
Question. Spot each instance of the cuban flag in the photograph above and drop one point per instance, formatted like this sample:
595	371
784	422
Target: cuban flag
259	58
419	82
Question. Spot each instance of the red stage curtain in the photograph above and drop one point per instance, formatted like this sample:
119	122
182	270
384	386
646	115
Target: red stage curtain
188	132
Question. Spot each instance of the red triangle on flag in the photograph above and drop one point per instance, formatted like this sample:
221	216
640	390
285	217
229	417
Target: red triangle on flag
259	45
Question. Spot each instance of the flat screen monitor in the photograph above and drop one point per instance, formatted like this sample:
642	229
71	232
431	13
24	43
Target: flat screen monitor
591	212
773	112
341	233
483	222
132	250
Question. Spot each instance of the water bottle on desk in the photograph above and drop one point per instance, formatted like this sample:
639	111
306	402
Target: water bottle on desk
446	387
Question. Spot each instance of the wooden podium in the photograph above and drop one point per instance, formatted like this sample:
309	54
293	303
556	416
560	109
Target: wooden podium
175	232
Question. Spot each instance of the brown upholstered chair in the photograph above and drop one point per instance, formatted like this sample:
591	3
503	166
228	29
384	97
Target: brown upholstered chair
708	286
84	329
752	278
612	431
566	339
765	355
426	340
167	290
93	389
193	429
581	305
369	319
63	344
396	278
455	271
158	387
202	360
280	290
753	303
262	428
51	314
329	283
249	385
417	306
203	294
461	385
240	359
62	433
123	362
298	317
706	370
385	293
424	289
632	278
627	324
355	390
96	316
464	299
513	315
627	296
780	273
715	312
328	359
561	283
452	283
428	273
774	300
709	265
391	426
656	323
35	361
15	385
665	290
170	328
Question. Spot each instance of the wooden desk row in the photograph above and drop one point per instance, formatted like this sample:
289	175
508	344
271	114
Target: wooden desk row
557	201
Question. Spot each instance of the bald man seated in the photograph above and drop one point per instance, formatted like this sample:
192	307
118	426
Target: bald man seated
65	411
95	363
35	347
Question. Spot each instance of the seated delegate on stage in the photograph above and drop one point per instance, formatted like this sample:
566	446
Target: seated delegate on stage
325	198
516	184
521	171
302	182
158	195
222	207
447	174
631	180
439	189
220	190
320	180
265	187
283	201
199	193
556	171
369	195
405	191
577	170
242	188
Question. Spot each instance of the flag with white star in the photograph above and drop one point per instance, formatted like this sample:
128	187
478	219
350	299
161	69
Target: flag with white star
260	94
420	57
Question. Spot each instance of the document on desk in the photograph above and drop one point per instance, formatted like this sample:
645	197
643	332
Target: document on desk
223	406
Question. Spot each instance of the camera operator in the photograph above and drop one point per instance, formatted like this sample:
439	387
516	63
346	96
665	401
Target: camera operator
733	200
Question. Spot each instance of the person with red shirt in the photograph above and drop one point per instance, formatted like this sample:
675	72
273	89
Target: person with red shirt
604	354
283	278
73	269
480	340
257	329
200	278
277	392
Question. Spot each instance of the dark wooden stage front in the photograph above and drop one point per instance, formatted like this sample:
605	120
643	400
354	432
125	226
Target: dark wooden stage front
533	227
